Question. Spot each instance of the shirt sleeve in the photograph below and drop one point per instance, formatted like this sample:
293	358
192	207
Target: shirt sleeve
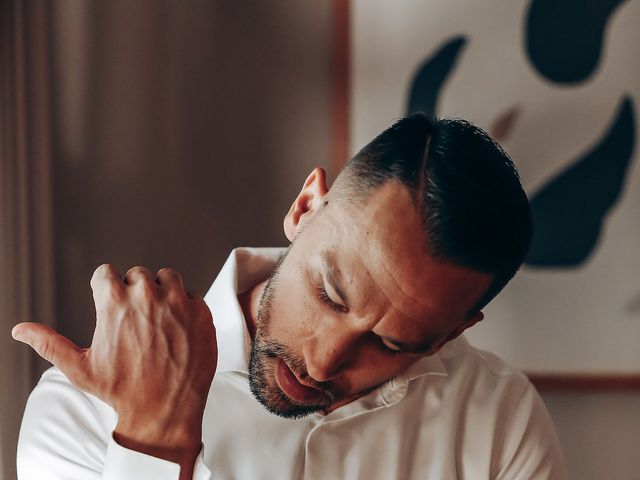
531	450
67	435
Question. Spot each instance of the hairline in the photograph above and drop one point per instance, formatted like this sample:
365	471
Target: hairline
362	193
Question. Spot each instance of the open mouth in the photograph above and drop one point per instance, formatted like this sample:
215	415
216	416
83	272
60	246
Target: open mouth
293	389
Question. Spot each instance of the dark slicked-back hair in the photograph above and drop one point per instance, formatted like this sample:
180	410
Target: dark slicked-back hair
474	210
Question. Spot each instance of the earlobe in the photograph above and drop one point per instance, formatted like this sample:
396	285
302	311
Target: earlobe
308	201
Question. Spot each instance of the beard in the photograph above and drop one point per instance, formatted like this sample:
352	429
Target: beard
264	355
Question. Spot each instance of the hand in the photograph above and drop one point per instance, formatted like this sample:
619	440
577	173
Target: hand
152	358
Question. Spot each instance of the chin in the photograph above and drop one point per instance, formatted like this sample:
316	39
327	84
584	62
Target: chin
281	405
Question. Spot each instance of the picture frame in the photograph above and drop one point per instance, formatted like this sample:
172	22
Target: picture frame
571	318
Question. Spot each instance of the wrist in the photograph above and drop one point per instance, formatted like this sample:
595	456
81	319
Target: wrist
178	436
173	451
183	456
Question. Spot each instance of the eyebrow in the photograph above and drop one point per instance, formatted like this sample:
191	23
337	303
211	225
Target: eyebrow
334	277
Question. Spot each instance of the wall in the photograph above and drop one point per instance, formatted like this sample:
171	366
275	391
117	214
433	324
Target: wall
599	433
182	132
558	85
567	311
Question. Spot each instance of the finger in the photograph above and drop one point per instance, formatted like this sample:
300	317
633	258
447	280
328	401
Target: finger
137	274
169	278
54	348
105	273
106	283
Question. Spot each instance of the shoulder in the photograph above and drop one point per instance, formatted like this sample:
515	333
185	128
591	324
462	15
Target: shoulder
472	384
481	370
500	408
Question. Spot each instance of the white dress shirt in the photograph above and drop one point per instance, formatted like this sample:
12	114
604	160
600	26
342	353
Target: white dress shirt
459	414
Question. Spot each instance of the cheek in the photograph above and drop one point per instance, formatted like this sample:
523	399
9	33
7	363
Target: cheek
291	321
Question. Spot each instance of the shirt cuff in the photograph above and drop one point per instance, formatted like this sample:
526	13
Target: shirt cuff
200	469
123	464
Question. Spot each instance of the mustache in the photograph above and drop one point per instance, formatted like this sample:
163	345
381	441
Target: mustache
273	349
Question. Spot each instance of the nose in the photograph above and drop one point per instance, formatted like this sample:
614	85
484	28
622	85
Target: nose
328	353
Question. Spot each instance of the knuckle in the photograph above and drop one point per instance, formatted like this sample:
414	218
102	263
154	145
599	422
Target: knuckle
138	270
137	275
169	275
168	271
104	270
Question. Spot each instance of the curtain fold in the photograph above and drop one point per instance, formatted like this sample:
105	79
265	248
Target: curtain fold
26	234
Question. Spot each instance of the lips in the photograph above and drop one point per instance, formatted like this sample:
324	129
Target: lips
293	389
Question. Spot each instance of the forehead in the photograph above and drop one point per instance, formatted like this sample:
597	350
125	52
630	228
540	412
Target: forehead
380	246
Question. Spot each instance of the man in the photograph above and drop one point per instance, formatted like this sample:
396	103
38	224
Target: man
349	340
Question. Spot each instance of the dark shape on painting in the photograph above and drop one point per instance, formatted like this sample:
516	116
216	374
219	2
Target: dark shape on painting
564	37
569	211
502	127
431	76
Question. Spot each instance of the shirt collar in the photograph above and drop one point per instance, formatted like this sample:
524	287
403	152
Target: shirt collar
246	267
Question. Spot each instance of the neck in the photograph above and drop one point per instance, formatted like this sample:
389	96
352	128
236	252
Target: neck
250	304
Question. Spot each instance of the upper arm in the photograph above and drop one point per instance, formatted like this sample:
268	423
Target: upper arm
530	447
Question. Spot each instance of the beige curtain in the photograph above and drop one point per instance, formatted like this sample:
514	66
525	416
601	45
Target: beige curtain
163	114
26	264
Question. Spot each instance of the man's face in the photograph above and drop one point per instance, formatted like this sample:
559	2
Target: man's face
356	301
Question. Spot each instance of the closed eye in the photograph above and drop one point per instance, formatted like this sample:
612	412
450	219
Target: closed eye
324	297
388	348
385	346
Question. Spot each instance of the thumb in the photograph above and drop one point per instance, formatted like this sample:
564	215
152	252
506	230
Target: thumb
54	348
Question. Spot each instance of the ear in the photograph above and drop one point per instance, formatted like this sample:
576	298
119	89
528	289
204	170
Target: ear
469	322
308	201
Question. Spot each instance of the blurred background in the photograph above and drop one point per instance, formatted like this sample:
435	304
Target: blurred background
166	133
